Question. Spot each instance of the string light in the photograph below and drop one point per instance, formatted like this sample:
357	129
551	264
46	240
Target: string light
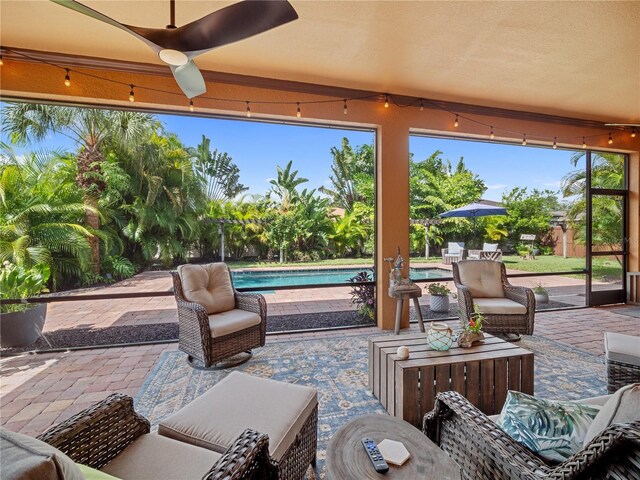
610	139
421	105
248	110
455	123
345	110
132	97
633	132
1	62
584	143
555	144
191	107
386	101
492	135
524	139
67	78
298	112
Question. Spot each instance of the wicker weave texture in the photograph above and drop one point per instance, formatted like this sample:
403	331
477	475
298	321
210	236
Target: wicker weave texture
621	374
486	452
302	452
194	337
498	324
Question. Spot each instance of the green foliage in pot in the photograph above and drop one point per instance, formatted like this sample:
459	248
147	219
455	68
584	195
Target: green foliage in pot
438	289
17	281
540	289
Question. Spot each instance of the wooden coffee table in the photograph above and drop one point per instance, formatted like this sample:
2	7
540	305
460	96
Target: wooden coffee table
482	373
346	458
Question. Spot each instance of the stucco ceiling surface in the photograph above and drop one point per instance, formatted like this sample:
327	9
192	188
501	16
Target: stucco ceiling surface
572	58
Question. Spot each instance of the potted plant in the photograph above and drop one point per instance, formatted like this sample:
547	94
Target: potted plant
21	324
472	331
439	301
541	293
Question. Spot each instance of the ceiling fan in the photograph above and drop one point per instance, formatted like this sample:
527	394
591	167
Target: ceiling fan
622	125
178	46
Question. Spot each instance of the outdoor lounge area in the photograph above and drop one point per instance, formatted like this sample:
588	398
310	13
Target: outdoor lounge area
309	240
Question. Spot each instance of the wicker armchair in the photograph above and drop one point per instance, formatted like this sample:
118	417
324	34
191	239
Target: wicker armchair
507	309
98	434
485	452
195	328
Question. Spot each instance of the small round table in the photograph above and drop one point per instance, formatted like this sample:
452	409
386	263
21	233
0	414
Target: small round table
346	458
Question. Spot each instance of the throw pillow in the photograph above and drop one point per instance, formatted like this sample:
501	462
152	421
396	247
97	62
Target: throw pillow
622	407
553	429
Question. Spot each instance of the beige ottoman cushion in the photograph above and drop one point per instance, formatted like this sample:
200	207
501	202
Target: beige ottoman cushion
622	348
215	419
153	457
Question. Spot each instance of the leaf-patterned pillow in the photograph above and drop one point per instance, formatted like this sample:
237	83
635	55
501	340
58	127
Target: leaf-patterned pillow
553	429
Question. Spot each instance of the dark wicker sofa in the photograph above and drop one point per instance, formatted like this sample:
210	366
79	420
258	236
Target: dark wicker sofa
98	434
485	452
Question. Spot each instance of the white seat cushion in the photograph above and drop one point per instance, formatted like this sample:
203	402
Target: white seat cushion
621	407
154	457
490	247
454	248
214	420
482	277
499	306
622	348
209	285
224	323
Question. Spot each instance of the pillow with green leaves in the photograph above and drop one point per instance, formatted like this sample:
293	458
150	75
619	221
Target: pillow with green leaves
554	429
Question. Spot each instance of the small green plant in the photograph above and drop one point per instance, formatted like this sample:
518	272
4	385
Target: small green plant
364	296
476	321
17	282
540	289
438	289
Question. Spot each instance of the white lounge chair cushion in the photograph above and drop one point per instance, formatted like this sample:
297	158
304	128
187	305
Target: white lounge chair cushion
455	248
154	457
209	285
483	278
621	407
215	419
224	323
622	348
490	247
499	306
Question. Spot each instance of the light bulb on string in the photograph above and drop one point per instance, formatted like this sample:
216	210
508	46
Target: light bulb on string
345	110
386	101
455	122
191	107
421	105
248	110
610	141
67	78
132	96
492	135
524	139
555	143
584	143
298	112
633	132
1	61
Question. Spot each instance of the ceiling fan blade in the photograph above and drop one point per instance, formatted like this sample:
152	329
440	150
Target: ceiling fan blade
622	124
189	79
227	25
80	8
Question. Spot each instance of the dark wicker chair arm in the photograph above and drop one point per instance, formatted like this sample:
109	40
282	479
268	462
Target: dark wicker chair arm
465	304
96	435
247	459
522	295
251	302
481	448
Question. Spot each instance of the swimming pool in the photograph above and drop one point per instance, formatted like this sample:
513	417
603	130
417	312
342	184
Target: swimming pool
286	278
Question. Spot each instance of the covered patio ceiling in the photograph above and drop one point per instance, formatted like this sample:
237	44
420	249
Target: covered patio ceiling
577	59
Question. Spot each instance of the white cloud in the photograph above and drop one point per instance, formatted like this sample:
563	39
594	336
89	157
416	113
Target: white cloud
497	186
555	184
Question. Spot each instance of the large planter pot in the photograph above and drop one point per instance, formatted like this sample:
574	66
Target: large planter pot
439	303
18	329
541	297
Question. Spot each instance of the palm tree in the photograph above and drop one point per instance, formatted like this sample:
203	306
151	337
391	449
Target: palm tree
91	130
284	186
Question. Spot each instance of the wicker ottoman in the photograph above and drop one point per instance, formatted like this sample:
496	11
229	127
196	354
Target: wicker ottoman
622	354
286	412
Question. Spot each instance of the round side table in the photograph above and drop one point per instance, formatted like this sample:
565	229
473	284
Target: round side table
346	458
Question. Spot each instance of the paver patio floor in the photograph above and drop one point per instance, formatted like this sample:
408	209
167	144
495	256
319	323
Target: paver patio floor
40	390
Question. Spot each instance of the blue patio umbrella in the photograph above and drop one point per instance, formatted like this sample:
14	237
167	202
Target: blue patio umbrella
474	210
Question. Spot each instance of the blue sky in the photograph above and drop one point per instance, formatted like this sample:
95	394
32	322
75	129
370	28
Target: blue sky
258	147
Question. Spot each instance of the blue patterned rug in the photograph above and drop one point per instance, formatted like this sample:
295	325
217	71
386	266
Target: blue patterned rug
337	368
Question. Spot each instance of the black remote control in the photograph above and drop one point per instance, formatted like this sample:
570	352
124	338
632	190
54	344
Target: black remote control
374	455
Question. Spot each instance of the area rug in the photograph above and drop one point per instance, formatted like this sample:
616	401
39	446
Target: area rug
337	368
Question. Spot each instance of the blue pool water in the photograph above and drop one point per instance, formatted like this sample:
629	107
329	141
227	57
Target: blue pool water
285	278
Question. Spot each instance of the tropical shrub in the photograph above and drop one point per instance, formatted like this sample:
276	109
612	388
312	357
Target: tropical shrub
364	296
438	289
17	282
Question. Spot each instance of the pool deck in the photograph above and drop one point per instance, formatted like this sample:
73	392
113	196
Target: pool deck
152	310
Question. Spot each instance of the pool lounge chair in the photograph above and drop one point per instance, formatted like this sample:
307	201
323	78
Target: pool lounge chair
453	253
489	251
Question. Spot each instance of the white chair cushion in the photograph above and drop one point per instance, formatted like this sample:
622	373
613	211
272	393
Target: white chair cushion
622	348
154	457
209	285
499	306
482	277
224	323
621	407
455	248
216	418
490	247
